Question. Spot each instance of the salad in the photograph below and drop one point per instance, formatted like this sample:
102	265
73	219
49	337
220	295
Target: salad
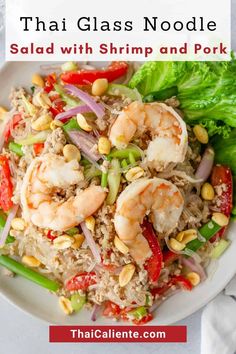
116	183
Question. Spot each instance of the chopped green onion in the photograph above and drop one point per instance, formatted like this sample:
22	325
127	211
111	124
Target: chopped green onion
35	138
114	176
73	231
132	158
122	90
161	95
77	302
71	102
16	148
71	125
32	89
138	313
69	66
207	231
220	248
28	273
104	179
124	153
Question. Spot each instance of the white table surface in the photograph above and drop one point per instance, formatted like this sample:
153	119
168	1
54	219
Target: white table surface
23	334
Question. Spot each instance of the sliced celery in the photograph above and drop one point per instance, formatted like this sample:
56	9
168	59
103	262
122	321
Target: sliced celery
104	179
220	248
124	163
132	158
69	66
114	176
138	313
77	302
71	102
35	138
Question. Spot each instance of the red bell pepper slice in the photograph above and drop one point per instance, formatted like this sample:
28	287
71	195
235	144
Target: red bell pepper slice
169	257
111	310
175	280
11	125
6	186
50	236
154	264
182	281
222	176
50	80
109	267
144	320
38	148
84	77
57	107
81	281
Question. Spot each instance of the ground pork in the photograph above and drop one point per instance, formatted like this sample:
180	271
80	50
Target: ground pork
55	142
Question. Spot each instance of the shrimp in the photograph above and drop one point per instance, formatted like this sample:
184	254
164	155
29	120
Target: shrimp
167	129
157	197
44	176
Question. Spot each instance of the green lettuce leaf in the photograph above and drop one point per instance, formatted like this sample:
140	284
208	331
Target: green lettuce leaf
225	150
206	90
225	153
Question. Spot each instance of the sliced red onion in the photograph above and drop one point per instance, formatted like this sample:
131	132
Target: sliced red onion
91	243
96	133
95	311
206	164
186	251
23	132
85	142
72	112
87	99
192	254
6	229
92	267
195	267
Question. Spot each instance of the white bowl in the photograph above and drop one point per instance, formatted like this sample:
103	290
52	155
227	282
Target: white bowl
40	303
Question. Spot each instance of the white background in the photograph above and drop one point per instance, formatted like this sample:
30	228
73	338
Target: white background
123	10
22	334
